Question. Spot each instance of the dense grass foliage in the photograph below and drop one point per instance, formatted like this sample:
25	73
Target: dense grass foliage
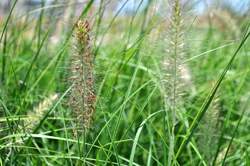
169	91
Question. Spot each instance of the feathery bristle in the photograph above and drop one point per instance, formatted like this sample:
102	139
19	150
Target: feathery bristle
173	62
34	116
82	97
209	131
172	72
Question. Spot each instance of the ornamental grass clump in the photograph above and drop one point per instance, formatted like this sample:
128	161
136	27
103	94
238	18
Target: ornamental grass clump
82	96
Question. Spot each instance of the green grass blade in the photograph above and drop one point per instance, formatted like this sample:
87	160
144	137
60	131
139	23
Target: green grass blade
132	154
8	19
209	99
235	131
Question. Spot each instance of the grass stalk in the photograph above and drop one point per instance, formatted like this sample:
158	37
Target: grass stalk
209	99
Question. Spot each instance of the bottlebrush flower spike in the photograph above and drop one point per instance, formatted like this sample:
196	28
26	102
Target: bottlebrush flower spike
82	95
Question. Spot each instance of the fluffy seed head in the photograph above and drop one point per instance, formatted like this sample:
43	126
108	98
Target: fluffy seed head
82	96
34	116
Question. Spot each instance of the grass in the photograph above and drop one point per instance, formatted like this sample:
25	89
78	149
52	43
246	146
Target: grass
131	124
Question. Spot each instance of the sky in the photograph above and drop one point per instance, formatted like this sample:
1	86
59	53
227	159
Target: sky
130	6
238	5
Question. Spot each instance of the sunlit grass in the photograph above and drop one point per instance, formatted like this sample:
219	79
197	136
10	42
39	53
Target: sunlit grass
129	125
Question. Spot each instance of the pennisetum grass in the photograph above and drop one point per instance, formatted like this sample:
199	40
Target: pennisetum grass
209	130
129	131
34	116
210	97
173	70
82	95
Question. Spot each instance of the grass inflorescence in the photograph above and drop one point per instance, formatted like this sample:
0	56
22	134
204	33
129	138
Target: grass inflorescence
82	95
144	82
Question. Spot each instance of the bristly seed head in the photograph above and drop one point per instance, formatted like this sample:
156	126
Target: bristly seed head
82	32
82	97
34	116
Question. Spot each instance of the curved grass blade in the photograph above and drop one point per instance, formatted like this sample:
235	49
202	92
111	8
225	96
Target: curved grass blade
132	154
8	19
209	99
235	131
